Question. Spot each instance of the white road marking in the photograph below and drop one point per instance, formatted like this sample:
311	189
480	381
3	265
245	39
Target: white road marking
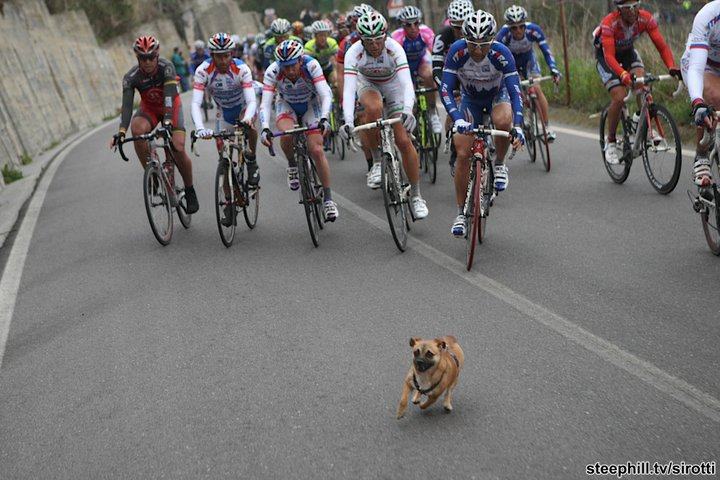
11	276
596	137
678	389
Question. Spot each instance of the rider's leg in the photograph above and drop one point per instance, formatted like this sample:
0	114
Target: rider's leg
372	104
140	125
617	96
286	122
502	119
181	157
463	146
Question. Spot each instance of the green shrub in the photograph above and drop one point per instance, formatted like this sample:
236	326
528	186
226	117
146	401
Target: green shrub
11	174
26	159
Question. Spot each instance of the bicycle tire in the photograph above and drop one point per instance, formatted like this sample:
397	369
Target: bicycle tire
472	233
222	175
318	197
541	137
618	173
251	198
184	217
653	173
394	205
432	155
154	186
529	128
307	200
487	199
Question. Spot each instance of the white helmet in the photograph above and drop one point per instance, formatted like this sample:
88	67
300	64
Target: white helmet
371	25
479	27
515	14
280	26
320	26
409	14
459	10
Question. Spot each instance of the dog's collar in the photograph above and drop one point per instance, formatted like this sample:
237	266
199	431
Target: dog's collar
426	391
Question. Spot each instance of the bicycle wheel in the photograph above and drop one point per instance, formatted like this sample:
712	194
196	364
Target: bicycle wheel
185	218
529	127
225	203
472	214
541	137
157	204
393	200
307	198
432	155
488	196
251	204
662	152
318	197
618	173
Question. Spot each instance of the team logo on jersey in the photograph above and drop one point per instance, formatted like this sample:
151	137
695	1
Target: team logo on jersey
501	58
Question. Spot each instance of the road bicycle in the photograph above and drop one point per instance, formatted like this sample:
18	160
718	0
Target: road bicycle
655	137
481	188
534	127
162	196
312	195
232	190
426	142
393	184
334	143
706	201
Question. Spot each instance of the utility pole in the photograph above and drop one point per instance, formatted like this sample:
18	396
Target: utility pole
563	22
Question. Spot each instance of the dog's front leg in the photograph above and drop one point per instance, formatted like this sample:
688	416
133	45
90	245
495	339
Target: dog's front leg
402	407
430	400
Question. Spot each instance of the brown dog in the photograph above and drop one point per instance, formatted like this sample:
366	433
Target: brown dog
435	369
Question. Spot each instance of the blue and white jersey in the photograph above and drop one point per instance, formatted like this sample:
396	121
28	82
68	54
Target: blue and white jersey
480	81
523	49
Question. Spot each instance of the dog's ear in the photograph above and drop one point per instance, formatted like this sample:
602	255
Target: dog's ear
441	343
414	340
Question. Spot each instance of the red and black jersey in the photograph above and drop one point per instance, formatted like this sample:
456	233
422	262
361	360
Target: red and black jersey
157	90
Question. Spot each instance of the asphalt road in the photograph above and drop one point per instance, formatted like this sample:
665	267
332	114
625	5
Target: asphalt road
590	331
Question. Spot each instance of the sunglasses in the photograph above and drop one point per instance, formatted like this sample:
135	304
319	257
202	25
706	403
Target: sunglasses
374	40
147	57
478	44
411	24
456	27
517	27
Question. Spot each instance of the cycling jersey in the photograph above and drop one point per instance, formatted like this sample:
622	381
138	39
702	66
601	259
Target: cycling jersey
345	45
417	50
390	68
323	55
523	49
440	47
268	55
614	37
702	52
232	91
310	86
481	82
158	94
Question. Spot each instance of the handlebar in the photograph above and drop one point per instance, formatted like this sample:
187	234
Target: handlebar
483	130
532	81
222	134
292	131
650	78
158	133
423	90
377	124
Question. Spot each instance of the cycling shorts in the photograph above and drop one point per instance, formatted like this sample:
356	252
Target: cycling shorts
426	59
474	111
391	92
629	59
155	114
306	114
529	68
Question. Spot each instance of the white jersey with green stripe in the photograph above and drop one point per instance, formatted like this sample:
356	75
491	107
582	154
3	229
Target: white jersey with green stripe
388	68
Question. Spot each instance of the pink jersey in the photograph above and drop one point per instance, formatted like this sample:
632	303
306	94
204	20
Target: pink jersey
418	49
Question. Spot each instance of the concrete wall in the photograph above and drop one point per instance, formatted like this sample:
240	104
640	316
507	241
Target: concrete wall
55	80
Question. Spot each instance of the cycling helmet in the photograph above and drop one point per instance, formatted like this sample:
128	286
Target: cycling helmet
289	52
260	38
371	25
146	45
409	14
459	10
479	27
620	2
237	40
298	27
360	10
280	26
307	33
515	14
320	26
221	43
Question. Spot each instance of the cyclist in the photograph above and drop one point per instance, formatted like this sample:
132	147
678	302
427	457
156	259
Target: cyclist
416	39
323	48
342	28
490	84
304	96
198	56
256	53
377	69
701	71
519	35
156	80
281	30
618	63
229	82
297	28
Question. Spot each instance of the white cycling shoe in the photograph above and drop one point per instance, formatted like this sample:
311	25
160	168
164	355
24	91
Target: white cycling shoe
502	179
419	207
458	228
374	176
611	156
702	176
293	179
331	211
